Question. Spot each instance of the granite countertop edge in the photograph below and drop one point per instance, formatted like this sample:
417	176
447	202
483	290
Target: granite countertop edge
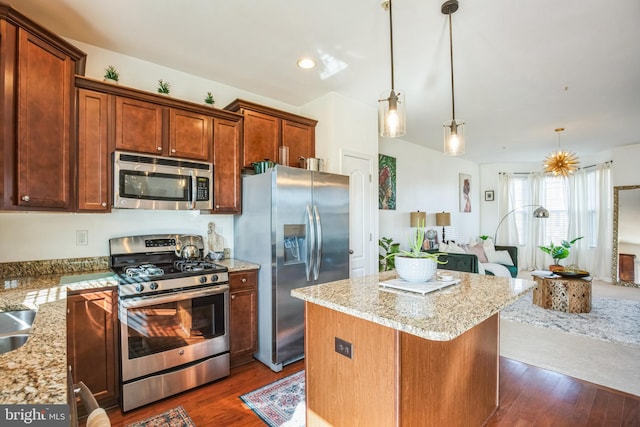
427	320
36	373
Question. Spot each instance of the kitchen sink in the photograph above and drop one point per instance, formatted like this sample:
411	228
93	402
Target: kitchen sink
14	322
12	342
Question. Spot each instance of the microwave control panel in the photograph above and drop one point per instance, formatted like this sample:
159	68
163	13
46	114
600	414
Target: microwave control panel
202	188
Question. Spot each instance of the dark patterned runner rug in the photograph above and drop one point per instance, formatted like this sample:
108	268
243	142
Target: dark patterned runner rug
281	403
176	417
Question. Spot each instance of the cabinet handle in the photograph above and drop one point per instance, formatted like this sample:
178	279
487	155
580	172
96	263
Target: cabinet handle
244	280
159	148
217	206
233	297
173	150
104	204
25	198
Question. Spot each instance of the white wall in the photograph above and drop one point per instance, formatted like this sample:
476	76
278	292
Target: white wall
427	181
625	165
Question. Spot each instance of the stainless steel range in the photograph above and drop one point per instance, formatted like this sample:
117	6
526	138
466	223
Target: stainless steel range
174	316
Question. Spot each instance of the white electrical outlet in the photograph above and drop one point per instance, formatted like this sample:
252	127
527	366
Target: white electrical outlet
82	237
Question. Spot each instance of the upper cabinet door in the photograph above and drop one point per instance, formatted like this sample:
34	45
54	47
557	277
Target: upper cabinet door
138	126
44	169
301	140
190	135
261	138
93	154
226	166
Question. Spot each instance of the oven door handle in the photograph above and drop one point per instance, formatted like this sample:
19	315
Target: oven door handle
173	297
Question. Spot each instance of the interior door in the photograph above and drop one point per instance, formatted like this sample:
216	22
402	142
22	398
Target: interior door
361	219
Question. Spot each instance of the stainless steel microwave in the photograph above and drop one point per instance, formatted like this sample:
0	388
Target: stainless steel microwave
152	182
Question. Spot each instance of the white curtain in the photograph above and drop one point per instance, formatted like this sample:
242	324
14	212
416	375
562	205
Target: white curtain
590	201
519	207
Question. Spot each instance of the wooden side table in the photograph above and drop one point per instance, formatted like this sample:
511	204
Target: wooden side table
571	295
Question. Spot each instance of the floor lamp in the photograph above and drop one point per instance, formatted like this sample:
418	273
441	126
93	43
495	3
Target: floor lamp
540	212
444	220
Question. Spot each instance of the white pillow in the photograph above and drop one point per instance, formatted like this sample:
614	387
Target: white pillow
500	257
442	247
455	249
489	248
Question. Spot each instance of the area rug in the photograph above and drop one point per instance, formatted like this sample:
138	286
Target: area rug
281	403
176	417
612	320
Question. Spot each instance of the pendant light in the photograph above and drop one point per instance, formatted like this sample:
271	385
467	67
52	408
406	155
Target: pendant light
560	162
453	129
392	120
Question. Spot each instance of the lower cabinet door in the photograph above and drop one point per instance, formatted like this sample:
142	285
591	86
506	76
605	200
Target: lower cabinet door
92	346
243	311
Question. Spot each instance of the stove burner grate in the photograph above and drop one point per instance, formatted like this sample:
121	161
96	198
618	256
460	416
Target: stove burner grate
144	270
193	265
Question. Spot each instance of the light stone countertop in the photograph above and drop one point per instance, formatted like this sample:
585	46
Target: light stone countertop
440	316
36	373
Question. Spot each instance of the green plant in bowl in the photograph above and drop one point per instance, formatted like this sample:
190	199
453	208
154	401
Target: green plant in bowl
110	73
164	87
560	251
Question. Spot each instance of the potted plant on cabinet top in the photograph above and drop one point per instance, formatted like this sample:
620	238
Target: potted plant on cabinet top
111	74
209	99
415	265
163	87
558	252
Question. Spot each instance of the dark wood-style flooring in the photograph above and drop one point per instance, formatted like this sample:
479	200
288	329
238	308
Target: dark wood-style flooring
529	396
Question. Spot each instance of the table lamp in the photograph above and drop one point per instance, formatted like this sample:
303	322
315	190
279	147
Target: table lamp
418	219
444	220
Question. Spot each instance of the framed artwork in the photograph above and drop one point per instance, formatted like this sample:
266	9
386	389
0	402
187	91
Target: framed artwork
386	182
488	196
465	192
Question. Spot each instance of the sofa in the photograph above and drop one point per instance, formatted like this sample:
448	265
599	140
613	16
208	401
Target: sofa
468	262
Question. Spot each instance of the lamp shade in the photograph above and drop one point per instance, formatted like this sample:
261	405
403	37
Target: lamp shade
392	117
443	219
418	219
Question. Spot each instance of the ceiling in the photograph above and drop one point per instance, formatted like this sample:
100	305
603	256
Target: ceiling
522	68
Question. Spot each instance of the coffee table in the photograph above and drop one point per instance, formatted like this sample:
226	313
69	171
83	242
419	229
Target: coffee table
571	295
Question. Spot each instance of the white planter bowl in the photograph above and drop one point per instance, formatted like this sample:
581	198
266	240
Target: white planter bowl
415	269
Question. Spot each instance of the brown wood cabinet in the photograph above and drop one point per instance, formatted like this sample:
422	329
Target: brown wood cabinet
38	125
138	121
92	342
227	196
266	129
627	267
243	316
93	151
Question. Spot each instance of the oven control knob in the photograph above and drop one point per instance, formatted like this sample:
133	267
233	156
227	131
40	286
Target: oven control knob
214	278
139	287
203	279
153	286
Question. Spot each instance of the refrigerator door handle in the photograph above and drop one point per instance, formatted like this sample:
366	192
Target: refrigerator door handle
311	243
316	267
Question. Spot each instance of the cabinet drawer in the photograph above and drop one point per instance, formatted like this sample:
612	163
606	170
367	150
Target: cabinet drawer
243	279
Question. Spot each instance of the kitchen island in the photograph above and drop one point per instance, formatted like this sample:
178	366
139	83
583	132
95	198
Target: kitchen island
381	356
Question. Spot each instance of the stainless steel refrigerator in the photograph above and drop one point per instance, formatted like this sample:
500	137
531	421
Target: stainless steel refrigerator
295	225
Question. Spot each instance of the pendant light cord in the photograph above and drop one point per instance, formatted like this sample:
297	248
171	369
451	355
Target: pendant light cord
391	41
453	98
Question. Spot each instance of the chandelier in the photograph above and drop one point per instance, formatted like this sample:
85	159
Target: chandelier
561	162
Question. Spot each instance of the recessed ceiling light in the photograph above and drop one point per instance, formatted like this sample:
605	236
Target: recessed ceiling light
306	63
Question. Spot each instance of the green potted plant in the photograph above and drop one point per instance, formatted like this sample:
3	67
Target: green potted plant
415	265
111	74
163	87
386	261
558	252
209	99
